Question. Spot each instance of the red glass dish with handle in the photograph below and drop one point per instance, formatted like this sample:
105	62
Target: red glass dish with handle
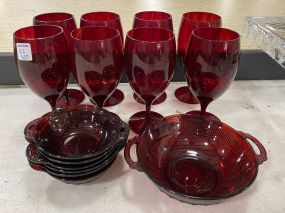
68	167
69	178
77	134
196	159
35	158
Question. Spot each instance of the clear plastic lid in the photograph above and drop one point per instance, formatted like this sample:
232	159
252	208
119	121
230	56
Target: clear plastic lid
269	34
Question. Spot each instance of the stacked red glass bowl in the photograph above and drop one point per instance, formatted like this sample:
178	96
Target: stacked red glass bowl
75	144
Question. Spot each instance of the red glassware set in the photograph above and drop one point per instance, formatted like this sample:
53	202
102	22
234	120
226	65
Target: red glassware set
193	157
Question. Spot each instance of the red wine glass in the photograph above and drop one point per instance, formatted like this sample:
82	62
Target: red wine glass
150	56
99	61
107	19
191	21
212	61
67	22
43	59
153	19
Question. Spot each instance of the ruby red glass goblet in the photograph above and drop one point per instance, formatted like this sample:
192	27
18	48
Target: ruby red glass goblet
153	19
43	59
149	61
212	62
67	22
102	19
191	21
99	60
107	19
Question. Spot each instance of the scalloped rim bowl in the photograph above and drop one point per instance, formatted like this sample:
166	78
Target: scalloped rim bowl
76	133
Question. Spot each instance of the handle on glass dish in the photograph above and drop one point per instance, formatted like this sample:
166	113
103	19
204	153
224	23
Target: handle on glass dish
263	155
132	164
29	131
34	158
36	166
123	134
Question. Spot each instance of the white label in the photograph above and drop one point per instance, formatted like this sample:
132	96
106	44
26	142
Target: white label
24	52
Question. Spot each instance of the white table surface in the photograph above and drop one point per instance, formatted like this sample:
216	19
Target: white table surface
256	107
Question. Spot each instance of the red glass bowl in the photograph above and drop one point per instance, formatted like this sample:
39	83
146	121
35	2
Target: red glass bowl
85	178
35	158
65	164
195	159
76	162
77	132
77	180
81	162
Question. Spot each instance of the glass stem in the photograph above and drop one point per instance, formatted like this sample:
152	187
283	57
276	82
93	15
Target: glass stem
53	106
52	103
148	110
203	107
99	103
66	96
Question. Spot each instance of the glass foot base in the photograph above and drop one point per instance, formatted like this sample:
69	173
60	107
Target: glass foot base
184	95
207	114
138	122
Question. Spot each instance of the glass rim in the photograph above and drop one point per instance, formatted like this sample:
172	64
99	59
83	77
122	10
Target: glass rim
150	42
154	20
97	40
201	12
97	12
194	34
39	26
51	13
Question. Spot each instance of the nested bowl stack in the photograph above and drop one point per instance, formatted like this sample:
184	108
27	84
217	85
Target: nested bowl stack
75	144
